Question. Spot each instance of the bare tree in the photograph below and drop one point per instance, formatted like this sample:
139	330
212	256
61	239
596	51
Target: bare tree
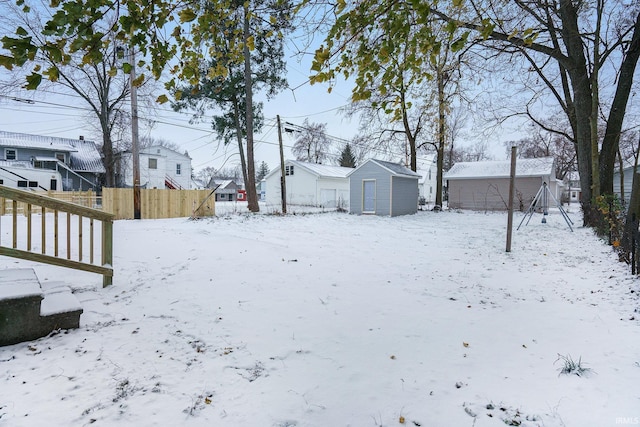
312	143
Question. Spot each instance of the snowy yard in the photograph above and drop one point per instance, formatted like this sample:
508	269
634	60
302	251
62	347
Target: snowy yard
338	320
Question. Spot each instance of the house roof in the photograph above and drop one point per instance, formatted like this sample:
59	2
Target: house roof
23	140
395	169
542	166
325	171
322	171
84	155
148	150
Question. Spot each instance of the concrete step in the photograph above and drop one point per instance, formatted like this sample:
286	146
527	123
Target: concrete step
29	310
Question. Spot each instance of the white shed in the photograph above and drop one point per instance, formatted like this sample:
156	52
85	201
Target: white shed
309	184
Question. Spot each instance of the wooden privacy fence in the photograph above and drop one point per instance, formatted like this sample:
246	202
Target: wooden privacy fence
158	203
59	251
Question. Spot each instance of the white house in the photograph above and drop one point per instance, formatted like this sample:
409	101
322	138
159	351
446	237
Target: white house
309	184
428	170
160	167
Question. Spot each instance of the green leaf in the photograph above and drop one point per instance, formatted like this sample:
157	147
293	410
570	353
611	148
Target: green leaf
187	15
162	99
6	62
53	74
126	67
21	32
33	81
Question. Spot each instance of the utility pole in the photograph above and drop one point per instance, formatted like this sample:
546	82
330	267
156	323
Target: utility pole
512	185
283	182
135	146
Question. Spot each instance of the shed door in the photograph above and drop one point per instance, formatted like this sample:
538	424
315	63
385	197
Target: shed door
368	196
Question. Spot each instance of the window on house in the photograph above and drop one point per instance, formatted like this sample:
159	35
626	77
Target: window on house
153	163
223	196
33	184
1	181
22	184
178	168
10	154
429	174
288	170
430	190
60	156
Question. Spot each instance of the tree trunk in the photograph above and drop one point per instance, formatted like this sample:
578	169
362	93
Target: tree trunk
236	115
250	185
107	150
618	110
581	86
441	135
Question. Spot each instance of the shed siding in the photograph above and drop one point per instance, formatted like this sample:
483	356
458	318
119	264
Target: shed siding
371	171
492	193
404	196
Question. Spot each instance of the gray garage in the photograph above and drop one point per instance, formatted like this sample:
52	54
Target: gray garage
485	185
383	188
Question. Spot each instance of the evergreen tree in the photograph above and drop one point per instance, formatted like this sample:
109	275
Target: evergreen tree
263	171
347	159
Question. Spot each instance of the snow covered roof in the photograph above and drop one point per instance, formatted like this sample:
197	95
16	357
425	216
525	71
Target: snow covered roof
161	150
84	155
543	166
325	171
393	168
23	140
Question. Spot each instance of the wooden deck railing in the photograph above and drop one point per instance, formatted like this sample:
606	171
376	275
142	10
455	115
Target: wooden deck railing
52	252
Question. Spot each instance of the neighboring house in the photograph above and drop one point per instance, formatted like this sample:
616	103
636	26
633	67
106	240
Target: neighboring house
573	191
225	191
309	184
485	185
49	163
383	188
160	167
428	170
627	183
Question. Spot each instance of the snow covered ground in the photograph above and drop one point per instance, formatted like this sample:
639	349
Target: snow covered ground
332	319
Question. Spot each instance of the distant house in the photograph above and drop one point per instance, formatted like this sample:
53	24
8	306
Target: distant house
160	167
485	185
225	191
309	184
573	191
626	183
383	188
428	170
49	163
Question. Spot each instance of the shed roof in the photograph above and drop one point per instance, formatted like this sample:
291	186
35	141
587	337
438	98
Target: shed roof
543	166
395	169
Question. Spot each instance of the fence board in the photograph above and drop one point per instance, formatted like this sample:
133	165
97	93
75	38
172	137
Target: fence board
157	203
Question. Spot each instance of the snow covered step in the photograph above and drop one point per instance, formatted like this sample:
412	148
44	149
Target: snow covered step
29	310
20	297
60	309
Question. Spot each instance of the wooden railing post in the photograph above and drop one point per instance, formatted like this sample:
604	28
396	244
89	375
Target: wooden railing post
107	251
29	199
